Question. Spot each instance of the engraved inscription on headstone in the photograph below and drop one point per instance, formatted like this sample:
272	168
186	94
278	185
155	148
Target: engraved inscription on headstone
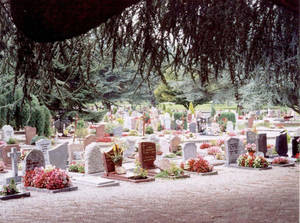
233	150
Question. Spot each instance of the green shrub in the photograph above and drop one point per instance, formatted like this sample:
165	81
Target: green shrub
80	124
12	141
36	138
149	130
212	111
81	132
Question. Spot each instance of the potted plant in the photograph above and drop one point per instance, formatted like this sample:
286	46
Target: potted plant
9	189
139	172
117	159
250	148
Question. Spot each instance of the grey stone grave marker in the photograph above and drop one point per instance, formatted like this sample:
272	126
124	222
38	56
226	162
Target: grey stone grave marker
189	151
35	158
262	143
14	155
193	127
58	156
44	145
233	150
93	159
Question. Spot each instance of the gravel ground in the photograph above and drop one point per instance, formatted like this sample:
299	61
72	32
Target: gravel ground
234	195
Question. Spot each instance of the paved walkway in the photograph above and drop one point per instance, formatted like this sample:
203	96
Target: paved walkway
234	195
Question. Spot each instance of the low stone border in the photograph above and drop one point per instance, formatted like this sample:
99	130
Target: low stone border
174	177
15	196
66	189
248	168
215	172
284	165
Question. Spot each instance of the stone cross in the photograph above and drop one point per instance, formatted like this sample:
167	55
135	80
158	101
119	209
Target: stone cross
14	155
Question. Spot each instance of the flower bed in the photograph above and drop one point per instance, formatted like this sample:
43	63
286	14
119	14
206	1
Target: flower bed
246	160
199	165
205	146
50	178
280	160
214	150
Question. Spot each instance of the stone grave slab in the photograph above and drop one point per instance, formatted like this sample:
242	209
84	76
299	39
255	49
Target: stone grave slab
7	132
93	159
15	196
58	156
233	150
44	145
189	151
30	132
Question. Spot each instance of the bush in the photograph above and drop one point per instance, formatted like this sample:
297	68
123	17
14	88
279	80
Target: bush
149	130
12	141
198	165
126	130
36	138
81	132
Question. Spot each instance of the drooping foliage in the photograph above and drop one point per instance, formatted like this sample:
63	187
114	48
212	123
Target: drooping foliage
202	38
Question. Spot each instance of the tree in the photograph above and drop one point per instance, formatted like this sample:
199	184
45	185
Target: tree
159	35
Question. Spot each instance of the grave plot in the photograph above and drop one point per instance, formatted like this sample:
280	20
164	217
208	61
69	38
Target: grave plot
199	166
169	170
11	191
111	172
282	162
49	180
236	158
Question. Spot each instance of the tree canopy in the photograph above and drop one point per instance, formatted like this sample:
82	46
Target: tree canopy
202	38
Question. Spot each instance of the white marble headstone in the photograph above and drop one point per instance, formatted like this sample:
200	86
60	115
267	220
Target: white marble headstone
189	151
7	132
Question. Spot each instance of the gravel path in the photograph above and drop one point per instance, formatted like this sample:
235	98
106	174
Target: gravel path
234	195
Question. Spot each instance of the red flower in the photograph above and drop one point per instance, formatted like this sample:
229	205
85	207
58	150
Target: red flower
297	155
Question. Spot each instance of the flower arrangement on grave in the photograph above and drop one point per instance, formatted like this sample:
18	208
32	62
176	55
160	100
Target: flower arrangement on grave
2	166
222	123
9	189
250	148
172	171
199	165
280	160
242	132
23	154
251	161
213	150
204	145
139	172
50	178
170	155
117	156
260	162
76	167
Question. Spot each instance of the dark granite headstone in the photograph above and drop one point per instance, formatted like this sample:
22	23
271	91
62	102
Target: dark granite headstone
147	154
295	145
262	143
282	145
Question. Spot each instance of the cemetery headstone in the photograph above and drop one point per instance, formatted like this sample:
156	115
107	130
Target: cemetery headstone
251	137
100	131
229	126
108	164
233	150
174	143
75	152
88	140
193	127
262	143
35	158
30	132
118	131
281	144
164	146
14	155
189	151
295	145
93	159
7	132
167	121
58	156
4	153
130	147
147	154
44	145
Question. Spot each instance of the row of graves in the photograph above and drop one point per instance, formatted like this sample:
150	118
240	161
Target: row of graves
137	159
